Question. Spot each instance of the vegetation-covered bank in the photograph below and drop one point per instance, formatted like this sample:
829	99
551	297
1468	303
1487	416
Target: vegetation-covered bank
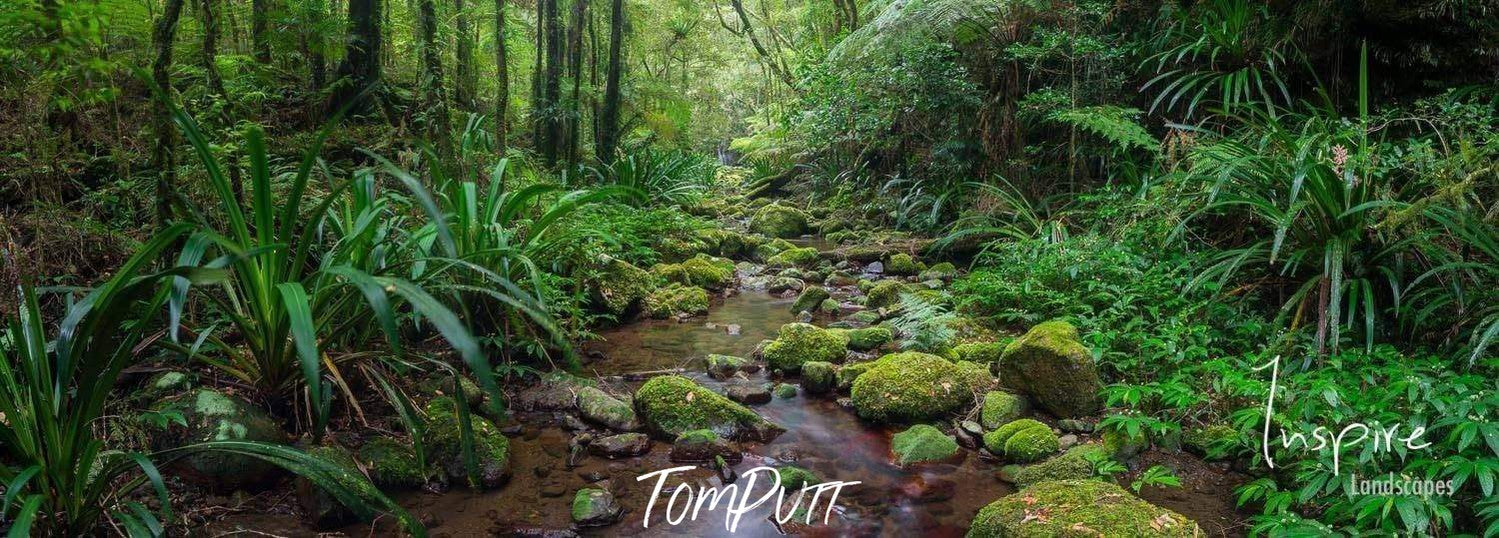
305	258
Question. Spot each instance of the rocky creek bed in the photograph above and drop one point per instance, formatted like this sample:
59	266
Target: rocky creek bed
556	451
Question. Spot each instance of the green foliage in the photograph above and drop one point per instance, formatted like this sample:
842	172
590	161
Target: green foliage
663	177
1156	476
1226	52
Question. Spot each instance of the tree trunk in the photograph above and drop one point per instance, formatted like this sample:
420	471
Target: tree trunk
463	70
551	129
210	58
575	111
438	122
259	18
609	122
502	79
162	155
538	97
360	68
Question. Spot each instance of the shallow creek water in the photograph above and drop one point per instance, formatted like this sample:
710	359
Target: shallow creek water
931	499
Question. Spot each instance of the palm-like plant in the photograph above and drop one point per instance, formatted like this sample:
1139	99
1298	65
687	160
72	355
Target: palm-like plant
663	177
1228	52
285	294
52	396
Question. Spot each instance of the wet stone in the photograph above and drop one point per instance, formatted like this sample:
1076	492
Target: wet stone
749	393
621	446
594	508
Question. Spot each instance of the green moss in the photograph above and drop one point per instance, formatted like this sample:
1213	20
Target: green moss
885	293
794	257
724	366
785	391
870	338
941	271
779	221
618	286
980	352
701	270
902	264
211	415
922	443
1205	441
818	377
1070	465
445	444
975	375
801	342
865	316
676	299
849	372
1031	444
1121	446
909	387
392	463
809	300
1050	365
794	478
1078	508
671	405
1000	408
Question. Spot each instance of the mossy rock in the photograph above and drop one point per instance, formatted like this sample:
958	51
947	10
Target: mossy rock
163	384
725	366
849	372
767	250
829	306
323	510
593	507
797	343
701	446
619	287
392	463
1070	465
977	376
902	264
442	385
779	221
676	299
1206	441
804	257
1022	441
818	377
702	271
599	407
809	300
1122	446
1051	366
786	391
1077	508
943	271
864	253
671	405
794	478
922	443
445	444
870	338
1001	408
214	416
980	352
868	317
909	387
885	293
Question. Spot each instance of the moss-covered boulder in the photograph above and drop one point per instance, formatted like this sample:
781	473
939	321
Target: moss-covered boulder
869	338
1000	408
885	293
599	407
392	463
697	446
618	287
818	377
725	366
323	510
1122	446
672	405
794	478
797	343
776	220
909	387
1074	464
211	415
1022	441
702	271
445	445
163	384
676	299
593	507
1077	508
810	299
768	249
805	257
943	271
922	443
867	317
980	352
976	376
902	264
786	391
829	306
1051	366
849	372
